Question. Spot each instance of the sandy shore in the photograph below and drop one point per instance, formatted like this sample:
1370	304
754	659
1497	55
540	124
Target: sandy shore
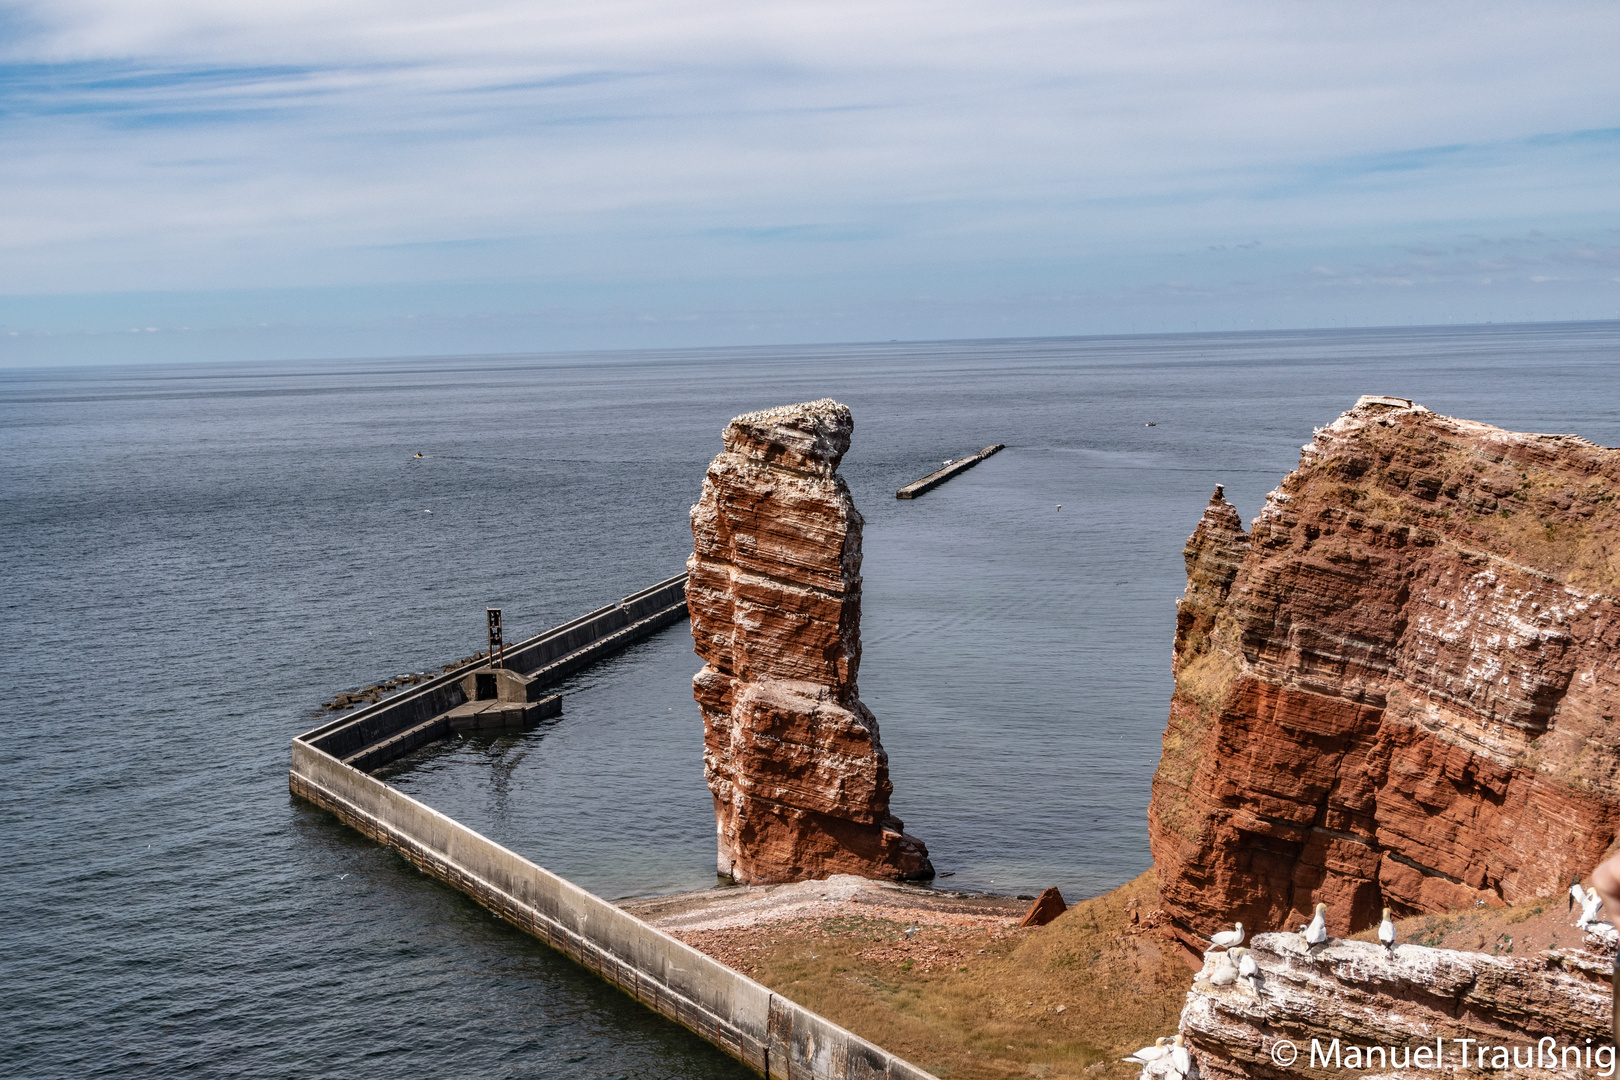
731	924
747	906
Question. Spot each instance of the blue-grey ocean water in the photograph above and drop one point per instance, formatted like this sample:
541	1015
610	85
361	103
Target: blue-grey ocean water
195	556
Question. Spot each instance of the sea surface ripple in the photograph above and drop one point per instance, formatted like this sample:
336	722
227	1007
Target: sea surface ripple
195	556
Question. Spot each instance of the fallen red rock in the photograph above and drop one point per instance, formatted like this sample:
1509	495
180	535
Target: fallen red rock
1047	906
1400	687
799	777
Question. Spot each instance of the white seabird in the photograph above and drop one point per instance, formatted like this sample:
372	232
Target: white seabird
1225	973
1589	908
1316	933
1577	895
1180	1058
1228	938
1149	1054
1386	933
1248	970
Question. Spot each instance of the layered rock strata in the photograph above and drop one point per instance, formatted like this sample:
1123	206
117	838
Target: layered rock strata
1457	1013
793	759
1399	687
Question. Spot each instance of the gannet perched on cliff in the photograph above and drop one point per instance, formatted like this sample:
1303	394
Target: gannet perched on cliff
1316	932
1150	1054
1180	1058
1386	933
1225	972
1228	938
1247	969
1590	903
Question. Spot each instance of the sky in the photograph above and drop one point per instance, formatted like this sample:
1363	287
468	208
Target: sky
241	179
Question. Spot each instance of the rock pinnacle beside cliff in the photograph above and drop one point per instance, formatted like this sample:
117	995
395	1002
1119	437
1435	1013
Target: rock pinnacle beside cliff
793	759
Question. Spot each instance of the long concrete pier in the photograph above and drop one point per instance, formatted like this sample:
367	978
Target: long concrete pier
939	476
377	734
762	1029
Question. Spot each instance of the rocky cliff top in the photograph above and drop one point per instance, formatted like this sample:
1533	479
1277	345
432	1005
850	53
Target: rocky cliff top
810	437
1399	686
1349	996
1549	500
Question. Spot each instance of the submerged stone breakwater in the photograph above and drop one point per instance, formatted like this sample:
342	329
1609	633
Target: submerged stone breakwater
951	470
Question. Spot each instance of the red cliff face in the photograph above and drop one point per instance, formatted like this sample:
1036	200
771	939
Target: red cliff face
1400	687
800	780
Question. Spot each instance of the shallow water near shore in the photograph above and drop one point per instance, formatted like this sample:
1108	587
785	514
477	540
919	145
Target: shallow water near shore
196	556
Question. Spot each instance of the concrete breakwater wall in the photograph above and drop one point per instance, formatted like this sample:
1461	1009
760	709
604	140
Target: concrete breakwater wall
764	1030
375	735
939	476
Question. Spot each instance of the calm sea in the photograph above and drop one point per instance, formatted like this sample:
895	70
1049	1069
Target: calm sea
195	556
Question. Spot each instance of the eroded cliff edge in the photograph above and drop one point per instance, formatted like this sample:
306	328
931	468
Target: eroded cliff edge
1408	1011
1399	688
793	759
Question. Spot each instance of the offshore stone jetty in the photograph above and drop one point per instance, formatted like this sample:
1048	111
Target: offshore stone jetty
939	476
793	759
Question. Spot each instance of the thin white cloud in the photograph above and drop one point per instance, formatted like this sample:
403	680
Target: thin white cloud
216	143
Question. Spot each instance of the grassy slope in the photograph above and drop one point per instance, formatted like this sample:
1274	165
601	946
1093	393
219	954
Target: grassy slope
973	1002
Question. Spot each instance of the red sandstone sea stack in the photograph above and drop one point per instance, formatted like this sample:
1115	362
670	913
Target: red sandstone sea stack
799	777
1400	687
